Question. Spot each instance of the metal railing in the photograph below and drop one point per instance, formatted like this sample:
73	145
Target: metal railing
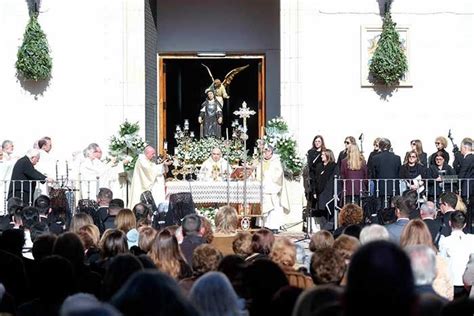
358	190
29	190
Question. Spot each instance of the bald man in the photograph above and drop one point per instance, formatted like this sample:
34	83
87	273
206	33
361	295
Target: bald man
148	176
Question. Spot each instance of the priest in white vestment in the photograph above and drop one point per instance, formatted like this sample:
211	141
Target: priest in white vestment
7	161
215	167
46	165
148	176
270	172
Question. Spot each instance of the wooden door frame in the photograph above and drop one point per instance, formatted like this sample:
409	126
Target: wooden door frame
162	89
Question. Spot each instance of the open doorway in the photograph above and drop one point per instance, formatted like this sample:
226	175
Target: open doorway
183	80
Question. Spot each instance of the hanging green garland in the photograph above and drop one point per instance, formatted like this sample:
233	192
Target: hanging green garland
34	61
389	63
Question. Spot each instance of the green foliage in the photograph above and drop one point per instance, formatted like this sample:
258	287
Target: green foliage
277	135
34	61
127	145
389	63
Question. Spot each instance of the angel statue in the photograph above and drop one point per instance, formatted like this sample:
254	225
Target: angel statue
219	87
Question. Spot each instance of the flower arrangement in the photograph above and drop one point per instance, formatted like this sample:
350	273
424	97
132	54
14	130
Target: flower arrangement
197	151
209	213
33	59
278	135
127	145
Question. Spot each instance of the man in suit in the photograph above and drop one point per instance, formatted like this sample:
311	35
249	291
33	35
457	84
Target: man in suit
22	173
447	203
402	212
192	237
467	168
428	215
386	165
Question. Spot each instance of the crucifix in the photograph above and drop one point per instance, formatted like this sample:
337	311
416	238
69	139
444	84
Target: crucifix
244	113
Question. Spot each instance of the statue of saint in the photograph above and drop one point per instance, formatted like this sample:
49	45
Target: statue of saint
210	116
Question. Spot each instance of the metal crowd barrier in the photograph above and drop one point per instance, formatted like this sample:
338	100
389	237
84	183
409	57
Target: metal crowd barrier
23	189
345	190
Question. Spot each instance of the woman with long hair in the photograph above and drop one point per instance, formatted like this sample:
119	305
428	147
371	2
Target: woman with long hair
167	256
324	185
417	146
314	159
348	141
353	168
416	232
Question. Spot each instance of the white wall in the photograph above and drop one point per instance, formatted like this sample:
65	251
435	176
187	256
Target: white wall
97	80
321	90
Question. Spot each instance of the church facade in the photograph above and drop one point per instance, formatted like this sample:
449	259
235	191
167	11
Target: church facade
106	68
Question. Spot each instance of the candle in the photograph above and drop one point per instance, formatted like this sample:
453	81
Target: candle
227	133
67	170
165	145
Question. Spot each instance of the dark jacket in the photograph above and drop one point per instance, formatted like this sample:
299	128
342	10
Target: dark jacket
386	165
467	172
324	184
24	170
188	245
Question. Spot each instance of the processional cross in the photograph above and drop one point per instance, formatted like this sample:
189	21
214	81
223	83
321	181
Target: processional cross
244	113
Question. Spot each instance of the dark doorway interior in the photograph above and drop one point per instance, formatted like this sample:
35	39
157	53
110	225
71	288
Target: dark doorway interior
186	81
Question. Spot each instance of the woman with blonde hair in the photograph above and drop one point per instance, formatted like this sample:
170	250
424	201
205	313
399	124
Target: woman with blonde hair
167	256
226	222
353	168
127	222
441	144
416	232
283	253
348	141
79	220
90	236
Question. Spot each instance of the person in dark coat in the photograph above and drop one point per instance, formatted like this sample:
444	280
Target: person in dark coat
386	165
441	144
436	172
324	183
467	169
192	236
24	170
313	157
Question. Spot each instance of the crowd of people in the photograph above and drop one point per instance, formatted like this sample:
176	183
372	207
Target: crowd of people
378	176
105	259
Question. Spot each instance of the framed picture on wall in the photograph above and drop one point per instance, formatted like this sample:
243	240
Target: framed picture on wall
369	37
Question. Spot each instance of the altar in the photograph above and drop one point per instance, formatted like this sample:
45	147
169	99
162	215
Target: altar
219	192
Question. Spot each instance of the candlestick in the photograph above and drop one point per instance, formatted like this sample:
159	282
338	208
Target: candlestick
186	125
67	170
178	128
191	134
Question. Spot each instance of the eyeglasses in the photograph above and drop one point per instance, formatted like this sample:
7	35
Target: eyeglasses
346	142
437	143
439	158
413	157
